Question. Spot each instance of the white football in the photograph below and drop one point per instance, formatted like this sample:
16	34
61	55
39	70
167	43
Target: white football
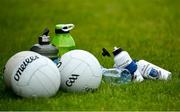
80	71
32	75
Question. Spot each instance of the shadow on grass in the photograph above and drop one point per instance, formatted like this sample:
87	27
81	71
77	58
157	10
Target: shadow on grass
6	93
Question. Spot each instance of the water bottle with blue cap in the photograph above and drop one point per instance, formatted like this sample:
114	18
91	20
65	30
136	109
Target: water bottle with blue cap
122	60
115	76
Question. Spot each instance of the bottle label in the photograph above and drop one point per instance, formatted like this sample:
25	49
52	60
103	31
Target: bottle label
132	67
153	73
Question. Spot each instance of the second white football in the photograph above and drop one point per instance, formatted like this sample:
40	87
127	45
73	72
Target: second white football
80	71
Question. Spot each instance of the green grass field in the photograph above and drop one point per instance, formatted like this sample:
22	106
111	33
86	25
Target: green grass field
147	29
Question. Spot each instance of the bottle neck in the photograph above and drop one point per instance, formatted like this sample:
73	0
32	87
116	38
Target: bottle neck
132	67
62	34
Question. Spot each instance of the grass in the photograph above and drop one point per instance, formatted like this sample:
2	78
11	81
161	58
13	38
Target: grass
147	29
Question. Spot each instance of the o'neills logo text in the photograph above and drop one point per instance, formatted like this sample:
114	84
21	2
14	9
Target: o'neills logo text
23	66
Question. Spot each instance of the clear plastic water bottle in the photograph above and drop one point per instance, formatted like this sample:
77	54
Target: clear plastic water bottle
116	76
63	39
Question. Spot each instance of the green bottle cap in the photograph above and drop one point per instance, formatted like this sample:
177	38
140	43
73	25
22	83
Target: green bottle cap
63	28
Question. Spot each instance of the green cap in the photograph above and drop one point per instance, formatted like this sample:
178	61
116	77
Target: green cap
63	28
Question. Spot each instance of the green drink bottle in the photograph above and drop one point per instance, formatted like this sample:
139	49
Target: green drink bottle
62	39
